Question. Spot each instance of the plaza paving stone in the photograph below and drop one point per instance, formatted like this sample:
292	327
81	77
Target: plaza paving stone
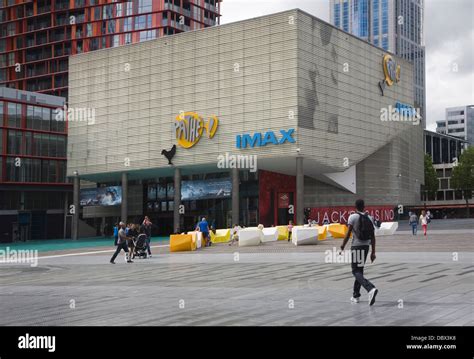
419	280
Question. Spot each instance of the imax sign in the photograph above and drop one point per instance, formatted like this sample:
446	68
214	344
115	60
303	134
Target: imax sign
260	140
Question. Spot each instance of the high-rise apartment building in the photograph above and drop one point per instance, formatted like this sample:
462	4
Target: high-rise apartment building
37	36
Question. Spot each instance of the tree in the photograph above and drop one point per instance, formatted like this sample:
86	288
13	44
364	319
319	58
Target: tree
431	178
463	176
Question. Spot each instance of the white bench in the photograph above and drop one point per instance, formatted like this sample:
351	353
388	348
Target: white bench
270	234
386	229
198	238
304	236
250	237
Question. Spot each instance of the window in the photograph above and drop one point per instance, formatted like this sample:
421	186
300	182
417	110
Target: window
444	183
127	24
147	35
46	119
140	22
385	16
14	115
375	21
337	15
144	6
14	142
345	16
116	41
129	8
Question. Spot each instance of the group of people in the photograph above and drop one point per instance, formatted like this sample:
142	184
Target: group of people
125	236
423	221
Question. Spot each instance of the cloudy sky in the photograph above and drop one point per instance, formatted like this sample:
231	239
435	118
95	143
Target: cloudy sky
449	40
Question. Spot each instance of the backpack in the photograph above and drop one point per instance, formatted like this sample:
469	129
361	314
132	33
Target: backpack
366	229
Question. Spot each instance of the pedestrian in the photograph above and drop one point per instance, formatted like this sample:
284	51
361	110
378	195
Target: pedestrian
414	223
235	234
116	230
290	229
146	226
121	244
203	227
363	236
424	222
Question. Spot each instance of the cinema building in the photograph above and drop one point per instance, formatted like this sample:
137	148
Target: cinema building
327	117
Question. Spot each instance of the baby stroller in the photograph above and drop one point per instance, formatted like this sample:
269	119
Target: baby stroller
140	249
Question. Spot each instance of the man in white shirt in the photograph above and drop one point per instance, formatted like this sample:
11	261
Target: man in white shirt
362	229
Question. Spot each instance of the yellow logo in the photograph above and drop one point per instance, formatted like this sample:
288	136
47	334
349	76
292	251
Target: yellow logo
391	70
189	127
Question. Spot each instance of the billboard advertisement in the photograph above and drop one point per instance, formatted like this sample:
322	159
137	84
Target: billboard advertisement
103	196
206	189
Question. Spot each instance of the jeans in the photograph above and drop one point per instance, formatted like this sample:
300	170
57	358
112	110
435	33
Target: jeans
358	258
414	228
148	241
120	246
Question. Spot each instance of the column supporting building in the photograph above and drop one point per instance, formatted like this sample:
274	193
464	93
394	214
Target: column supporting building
299	191
75	202
177	201
235	196
124	208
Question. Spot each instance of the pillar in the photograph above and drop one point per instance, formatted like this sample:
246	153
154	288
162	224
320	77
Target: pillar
177	201
75	202
299	191
235	196
124	207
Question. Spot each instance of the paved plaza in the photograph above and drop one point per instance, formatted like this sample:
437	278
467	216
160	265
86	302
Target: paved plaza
421	282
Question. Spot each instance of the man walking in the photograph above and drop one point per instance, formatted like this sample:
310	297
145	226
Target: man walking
362	229
121	244
414	223
203	227
146	226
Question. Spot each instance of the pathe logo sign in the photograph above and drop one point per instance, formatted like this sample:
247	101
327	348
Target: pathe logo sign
189	127
261	140
391	71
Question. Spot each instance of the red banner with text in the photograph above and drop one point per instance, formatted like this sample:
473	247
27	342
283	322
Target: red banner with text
341	214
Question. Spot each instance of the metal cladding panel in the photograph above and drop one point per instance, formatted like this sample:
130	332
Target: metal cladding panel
339	119
340	100
244	73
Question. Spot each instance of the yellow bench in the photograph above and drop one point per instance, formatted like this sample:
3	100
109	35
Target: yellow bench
282	233
337	230
182	243
322	233
221	236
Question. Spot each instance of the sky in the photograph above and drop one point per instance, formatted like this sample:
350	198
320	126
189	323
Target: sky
448	36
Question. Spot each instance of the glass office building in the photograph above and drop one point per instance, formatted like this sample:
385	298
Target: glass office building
459	122
394	25
33	185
